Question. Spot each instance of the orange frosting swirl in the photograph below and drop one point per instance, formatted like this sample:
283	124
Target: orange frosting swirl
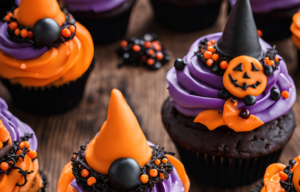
56	67
295	28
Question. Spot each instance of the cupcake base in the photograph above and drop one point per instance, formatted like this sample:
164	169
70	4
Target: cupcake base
48	101
222	157
106	27
188	18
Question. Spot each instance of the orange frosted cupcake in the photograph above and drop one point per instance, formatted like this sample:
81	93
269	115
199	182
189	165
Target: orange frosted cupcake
120	158
295	28
281	178
45	57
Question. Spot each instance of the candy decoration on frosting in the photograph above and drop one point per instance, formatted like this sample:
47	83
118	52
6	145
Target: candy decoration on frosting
275	94
240	34
179	64
124	174
147	52
46	32
245	76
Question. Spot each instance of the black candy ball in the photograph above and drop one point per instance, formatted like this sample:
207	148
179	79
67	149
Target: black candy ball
224	94
179	64
275	94
249	100
292	162
245	114
124	174
47	32
268	70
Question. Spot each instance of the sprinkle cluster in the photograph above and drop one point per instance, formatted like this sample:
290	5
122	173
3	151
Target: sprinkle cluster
19	150
90	180
147	52
286	177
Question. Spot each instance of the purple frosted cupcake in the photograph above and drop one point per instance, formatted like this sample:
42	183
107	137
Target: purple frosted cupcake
187	15
106	20
230	105
274	17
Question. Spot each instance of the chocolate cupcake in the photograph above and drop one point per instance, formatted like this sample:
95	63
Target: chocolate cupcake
230	105
186	16
274	17
281	178
107	20
120	158
19	167
44	63
295	28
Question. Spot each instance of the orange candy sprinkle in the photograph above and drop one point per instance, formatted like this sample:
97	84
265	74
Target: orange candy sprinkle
19	152
157	161
165	160
66	32
21	145
136	48
13	25
30	34
24	33
224	65
144	178
74	156
207	55
283	176
202	51
276	59
156	45
150	61
153	173
213	41
91	181
32	154
260	33
1	145
271	63
17	32
159	56
267	59
8	16
285	94
4	166
147	44
85	173
209	44
72	28
151	52
26	144
209	62
162	176
211	49
123	44
215	57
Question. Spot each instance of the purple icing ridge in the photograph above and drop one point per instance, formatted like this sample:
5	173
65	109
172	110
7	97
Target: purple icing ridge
173	184
93	5
15	127
21	51
195	78
264	6
18	2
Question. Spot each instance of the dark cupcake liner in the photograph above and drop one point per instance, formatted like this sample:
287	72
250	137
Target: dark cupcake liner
105	30
258	187
273	28
225	172
185	19
48	100
45	181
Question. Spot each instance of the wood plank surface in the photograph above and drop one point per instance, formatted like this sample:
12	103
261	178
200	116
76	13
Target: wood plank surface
60	135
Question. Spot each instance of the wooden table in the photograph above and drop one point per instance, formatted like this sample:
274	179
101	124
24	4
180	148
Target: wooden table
61	135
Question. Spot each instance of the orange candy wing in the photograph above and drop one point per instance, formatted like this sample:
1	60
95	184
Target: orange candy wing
120	136
212	119
272	178
66	177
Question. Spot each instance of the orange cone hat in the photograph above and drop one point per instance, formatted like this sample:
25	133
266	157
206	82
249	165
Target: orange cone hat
30	11
120	136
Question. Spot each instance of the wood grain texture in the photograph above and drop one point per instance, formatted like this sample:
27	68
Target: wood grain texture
60	135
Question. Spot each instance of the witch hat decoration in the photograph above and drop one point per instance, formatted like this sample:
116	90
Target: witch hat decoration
240	34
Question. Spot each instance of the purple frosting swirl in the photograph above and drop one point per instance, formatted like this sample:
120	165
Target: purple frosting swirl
264	6
197	79
18	2
93	5
16	128
173	184
21	51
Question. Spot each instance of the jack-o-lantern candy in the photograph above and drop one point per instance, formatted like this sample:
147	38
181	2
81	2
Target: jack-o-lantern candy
245	76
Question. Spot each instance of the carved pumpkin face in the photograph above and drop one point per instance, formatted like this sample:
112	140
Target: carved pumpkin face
245	76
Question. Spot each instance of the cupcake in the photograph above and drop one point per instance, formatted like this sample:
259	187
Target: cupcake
45	57
19	167
107	20
230	105
281	178
120	158
274	17
295	28
186	16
